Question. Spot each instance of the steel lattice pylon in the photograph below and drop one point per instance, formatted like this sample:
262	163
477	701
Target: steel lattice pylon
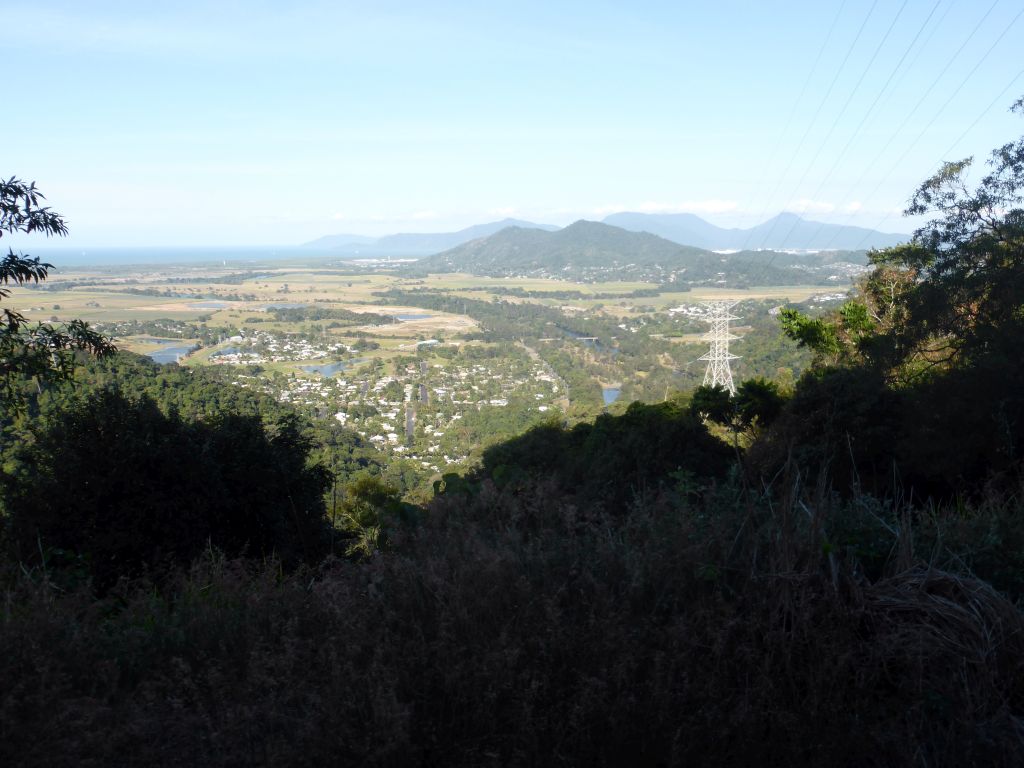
718	357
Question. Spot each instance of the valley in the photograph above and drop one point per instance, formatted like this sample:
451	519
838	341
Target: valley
430	369
512	384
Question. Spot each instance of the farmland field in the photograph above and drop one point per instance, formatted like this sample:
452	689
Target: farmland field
431	369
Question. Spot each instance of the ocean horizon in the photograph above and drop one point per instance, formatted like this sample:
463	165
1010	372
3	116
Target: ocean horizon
67	257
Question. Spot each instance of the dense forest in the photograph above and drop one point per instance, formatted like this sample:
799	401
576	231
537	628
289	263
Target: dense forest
822	571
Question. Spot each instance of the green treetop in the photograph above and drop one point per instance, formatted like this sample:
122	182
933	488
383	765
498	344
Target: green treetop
954	295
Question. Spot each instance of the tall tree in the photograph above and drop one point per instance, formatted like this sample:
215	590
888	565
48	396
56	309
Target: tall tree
920	372
954	295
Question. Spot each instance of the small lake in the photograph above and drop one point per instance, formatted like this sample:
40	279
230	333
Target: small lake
332	369
170	350
610	394
209	305
407	318
282	305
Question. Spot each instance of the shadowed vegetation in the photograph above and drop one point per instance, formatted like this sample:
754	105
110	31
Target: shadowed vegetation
828	576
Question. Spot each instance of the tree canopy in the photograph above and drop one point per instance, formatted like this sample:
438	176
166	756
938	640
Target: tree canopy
918	375
954	295
117	486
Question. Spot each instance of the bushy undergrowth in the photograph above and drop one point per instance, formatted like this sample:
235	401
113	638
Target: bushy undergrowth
514	628
111	486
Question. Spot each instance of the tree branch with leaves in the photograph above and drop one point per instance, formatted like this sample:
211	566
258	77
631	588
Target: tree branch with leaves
951	297
34	350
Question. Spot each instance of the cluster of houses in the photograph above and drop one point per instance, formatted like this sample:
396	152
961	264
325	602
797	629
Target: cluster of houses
258	347
429	412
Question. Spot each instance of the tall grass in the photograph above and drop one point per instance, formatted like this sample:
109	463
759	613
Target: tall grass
514	628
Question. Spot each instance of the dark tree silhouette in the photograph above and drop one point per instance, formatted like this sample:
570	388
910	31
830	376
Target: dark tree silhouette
116	486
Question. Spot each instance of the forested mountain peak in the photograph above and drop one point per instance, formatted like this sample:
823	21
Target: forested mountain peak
593	251
583	245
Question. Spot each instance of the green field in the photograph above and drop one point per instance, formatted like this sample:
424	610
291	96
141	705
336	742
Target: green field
230	300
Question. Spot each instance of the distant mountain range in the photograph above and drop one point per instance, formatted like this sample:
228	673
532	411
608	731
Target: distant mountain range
785	231
590	251
414	243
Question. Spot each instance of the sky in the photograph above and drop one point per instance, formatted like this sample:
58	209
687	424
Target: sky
252	123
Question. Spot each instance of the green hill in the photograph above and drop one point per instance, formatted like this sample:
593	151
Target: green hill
586	249
589	251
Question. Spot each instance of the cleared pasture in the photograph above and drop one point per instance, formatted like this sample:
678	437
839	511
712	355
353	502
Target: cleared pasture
236	304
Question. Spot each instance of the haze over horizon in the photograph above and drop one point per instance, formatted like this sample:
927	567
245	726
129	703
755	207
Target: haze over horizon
253	124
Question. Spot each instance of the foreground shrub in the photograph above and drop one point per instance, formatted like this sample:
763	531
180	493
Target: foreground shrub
613	460
514	628
112	485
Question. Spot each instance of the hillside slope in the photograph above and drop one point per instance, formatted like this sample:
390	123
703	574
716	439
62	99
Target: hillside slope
589	251
583	250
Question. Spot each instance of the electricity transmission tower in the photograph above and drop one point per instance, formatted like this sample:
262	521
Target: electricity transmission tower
718	357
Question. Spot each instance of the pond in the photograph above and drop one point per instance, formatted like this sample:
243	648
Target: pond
407	318
170	350
331	369
209	305
588	341
282	305
610	394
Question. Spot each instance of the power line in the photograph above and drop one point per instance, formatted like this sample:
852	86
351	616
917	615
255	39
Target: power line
892	135
927	40
985	112
923	47
817	112
957	141
835	123
803	139
867	114
942	109
799	99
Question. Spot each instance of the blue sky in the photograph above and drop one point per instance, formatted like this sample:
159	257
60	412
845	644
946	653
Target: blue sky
253	123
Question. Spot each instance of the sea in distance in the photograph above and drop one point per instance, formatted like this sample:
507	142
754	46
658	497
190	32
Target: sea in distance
65	257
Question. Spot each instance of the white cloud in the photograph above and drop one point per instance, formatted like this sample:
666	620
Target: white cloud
505	212
853	207
806	205
342	216
604	210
